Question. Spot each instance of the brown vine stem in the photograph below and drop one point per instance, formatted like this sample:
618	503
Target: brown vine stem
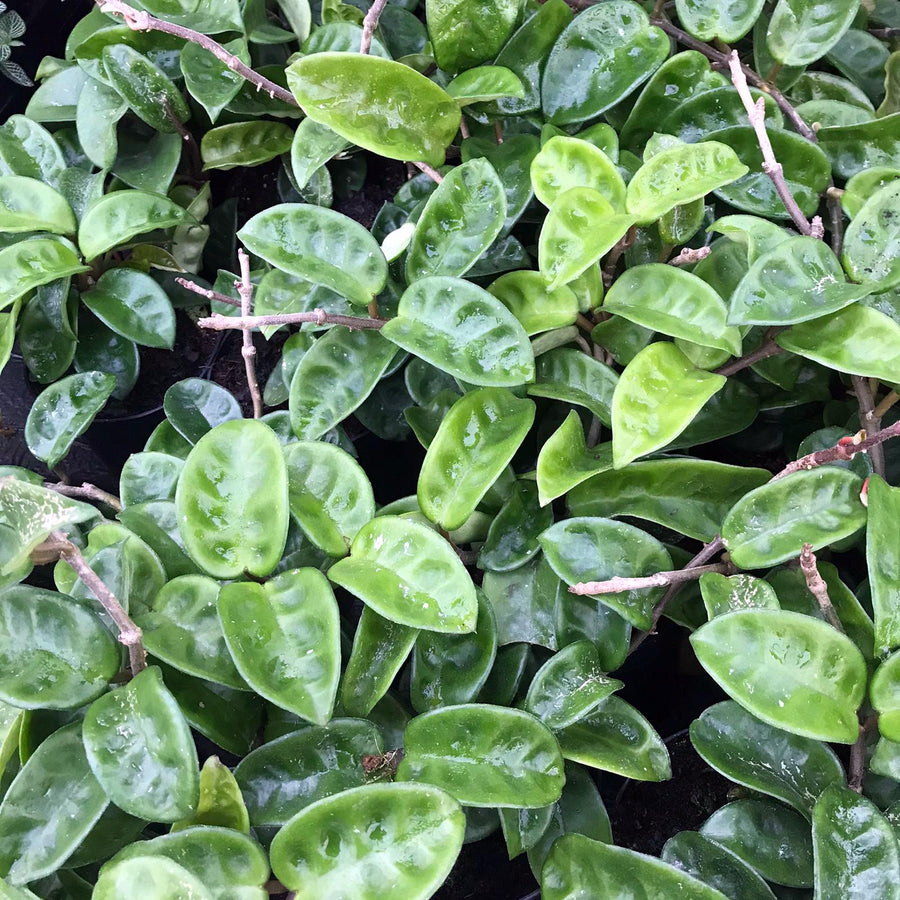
764	351
85	491
885	34
206	292
430	171
129	633
868	418
318	316
756	113
659	579
857	769
370	23
614	255
138	20
889	400
248	351
690	255
817	586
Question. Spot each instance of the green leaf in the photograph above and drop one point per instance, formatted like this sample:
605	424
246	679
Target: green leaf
707	19
512	538
57	654
232	500
470	32
31	263
286	775
569	686
802	31
460	221
883	560
792	768
690	496
501	757
409	574
579	867
595	549
712	864
463	330
148	165
329	494
792	671
872	241
182	628
27	148
394	823
574	377
63	412
615	47
27	204
140	749
244	144
565	460
485	83
49	809
474	444
449	669
680	175
334	377
149	476
724	594
284	637
526	296
658	395
855	847
98	113
313	145
211	83
133	305
221	803
770	838
118	217
772	523
566	162
580	228
677	303
195	406
159	879
100	349
149	92
377	104
884	693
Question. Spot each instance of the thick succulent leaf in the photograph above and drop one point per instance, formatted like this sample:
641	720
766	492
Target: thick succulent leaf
885	696
485	83
772	523
565	460
284	637
574	377
855	848
149	476
568	162
140	749
792	768
49	808
579	867
790	670
321	246
244	144
460	221
802	31
463	330
658	395
723	594
595	549
526	296
883	560
287	774
195	406
63	412
409	574
403	835
211	83
872	242
377	104
690	496
232	500
159	879
512	538
465	33
678	303
501	757
708	19
34	262
27	204
313	145
473	446
617	49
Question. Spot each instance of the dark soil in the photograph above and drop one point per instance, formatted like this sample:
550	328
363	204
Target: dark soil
384	177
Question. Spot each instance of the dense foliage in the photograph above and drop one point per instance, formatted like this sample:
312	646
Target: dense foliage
641	304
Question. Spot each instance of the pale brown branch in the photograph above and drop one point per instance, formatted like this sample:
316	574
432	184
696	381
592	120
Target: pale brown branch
138	20
85	491
248	351
430	171
370	23
817	587
887	402
690	255
317	316
869	420
658	579
768	348
856	771
129	633
207	292
756	113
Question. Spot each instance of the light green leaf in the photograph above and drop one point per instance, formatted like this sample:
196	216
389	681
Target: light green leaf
802	31
34	262
27	204
574	377
567	162
565	460
872	242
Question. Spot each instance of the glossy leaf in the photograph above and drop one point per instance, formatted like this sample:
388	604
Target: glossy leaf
706	19
724	594
313	145
502	757
574	377
872	242
149	476
772	523
195	406
468	33
232	500
594	549
794	672
657	396
321	246
377	104
617	49
566	163
287	774
883	692
406	840
675	302
526	296
27	204
212	84
159	879
63	412
565	461
741	747
512	538
460	221
221	803
31	263
485	83
244	144
140	749
463	330
802	31
284	637
883	560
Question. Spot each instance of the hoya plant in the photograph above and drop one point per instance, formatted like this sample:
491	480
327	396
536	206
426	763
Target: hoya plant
634	311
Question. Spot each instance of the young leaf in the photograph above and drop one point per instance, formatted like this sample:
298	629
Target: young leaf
221	803
567	162
884	693
526	296
211	83
565	460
